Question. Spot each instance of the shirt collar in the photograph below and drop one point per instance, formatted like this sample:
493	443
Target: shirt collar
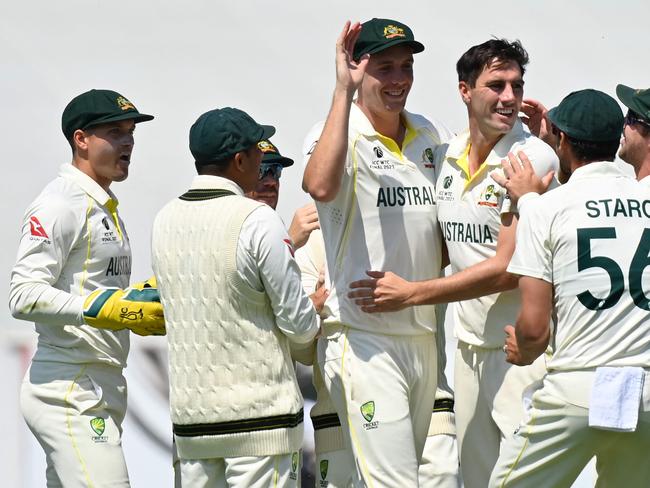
458	145
599	169
209	181
361	124
88	185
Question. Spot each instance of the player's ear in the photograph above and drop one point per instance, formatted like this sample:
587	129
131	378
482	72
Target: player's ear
463	89
79	141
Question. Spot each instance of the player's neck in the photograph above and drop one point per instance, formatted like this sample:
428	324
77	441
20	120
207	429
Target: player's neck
644	168
388	124
481	144
84	165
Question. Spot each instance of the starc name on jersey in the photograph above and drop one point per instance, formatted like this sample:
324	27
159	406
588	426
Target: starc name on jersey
400	196
617	207
466	232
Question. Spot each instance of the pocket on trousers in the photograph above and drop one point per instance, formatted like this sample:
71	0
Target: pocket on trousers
85	394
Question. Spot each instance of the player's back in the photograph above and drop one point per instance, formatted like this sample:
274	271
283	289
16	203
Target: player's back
598	235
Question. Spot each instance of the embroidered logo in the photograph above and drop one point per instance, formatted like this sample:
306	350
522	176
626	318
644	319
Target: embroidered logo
392	31
324	465
267	147
35	228
368	412
489	196
446	183
378	152
98	425
294	466
124	104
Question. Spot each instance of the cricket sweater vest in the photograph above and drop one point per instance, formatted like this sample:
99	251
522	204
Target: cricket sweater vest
233	387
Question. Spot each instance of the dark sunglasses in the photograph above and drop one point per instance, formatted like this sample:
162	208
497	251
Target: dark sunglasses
632	118
273	169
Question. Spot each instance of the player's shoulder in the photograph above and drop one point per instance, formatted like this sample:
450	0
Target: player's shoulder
60	198
439	131
539	153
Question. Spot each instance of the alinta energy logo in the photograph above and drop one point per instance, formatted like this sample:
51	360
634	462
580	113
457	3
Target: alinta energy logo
368	412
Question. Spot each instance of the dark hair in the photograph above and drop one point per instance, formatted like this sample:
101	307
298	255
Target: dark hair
476	58
589	151
212	167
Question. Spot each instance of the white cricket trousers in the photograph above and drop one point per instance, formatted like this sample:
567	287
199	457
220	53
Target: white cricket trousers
489	406
556	442
281	471
75	411
383	388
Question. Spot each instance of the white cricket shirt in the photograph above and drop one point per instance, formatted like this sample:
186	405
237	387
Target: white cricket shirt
590	238
73	242
383	218
469	212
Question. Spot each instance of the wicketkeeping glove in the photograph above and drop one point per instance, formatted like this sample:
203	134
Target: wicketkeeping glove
137	308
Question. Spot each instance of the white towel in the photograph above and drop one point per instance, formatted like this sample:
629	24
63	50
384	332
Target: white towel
615	398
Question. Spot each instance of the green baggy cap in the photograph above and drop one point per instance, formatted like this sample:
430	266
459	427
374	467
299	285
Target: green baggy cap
272	154
379	34
589	115
636	100
97	107
218	134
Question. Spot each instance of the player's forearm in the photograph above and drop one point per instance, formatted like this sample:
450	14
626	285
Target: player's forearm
40	302
324	171
533	334
485	278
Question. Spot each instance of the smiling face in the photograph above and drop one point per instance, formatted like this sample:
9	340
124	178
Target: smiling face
493	103
635	142
105	151
388	80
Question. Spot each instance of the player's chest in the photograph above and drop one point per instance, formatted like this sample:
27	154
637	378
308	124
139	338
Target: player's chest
106	243
478	198
385	179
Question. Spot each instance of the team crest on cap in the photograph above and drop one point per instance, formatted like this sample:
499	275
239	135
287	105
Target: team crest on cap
125	104
267	147
392	31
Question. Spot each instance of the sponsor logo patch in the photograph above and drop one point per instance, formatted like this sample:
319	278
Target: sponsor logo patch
35	227
291	249
489	197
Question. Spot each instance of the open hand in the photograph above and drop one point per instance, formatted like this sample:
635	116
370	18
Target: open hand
381	292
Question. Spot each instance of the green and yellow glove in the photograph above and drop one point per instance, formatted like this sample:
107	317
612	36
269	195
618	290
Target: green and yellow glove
137	308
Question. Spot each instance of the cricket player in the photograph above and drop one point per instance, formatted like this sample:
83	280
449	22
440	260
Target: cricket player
478	224
334	462
233	300
371	172
267	190
581	252
635	143
71	277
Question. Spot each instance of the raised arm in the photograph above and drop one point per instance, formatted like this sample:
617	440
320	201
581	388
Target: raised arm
324	171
